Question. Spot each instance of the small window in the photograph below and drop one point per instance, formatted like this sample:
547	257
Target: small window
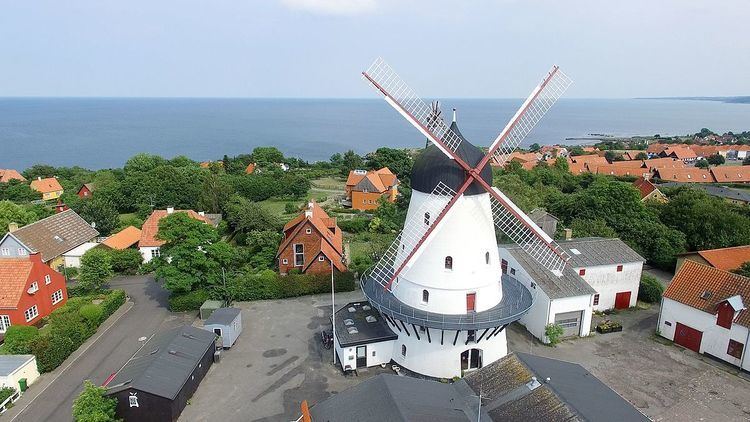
582	271
57	297
5	252
34	287
31	313
487	258
308	231
285	261
4	323
427	219
321	258
471	335
299	254
47	279
425	296
735	349
619	268
512	271
596	299
155	253
21	251
403	350
133	400
448	262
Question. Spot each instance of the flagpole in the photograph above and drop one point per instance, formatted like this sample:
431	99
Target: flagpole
333	315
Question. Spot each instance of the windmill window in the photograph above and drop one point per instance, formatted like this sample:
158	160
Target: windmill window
448	263
619	268
487	258
596	299
427	219
582	271
403	350
512	271
425	296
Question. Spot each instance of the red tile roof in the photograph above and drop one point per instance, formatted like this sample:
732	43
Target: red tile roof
615	170
151	227
661	163
679	152
124	239
686	175
381	180
694	280
644	186
6	175
731	174
726	258
47	185
331	237
14	274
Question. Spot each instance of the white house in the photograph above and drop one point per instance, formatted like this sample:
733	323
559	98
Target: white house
362	337
73	257
705	310
610	266
15	367
564	299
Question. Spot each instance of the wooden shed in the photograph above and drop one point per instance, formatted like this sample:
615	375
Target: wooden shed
225	323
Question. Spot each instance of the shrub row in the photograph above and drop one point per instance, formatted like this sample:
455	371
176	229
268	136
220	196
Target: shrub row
270	285
69	327
354	225
187	301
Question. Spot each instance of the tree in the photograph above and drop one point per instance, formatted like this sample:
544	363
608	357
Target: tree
192	256
702	163
716	160
590	228
613	156
92	405
245	216
96	269
399	161
125	261
100	211
267	155
215	192
351	161
17	191
536	147
12	213
389	217
641	156
743	270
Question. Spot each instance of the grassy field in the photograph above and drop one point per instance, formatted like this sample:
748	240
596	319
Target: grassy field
324	191
329	183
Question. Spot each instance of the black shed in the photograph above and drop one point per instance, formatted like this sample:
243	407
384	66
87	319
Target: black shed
156	383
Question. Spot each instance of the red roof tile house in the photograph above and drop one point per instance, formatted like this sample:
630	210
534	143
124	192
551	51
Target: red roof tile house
683	154
149	245
726	259
731	174
312	241
684	175
365	188
29	290
649	191
705	310
6	175
50	188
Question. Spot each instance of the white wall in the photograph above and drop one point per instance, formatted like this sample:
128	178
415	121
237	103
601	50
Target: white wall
715	338
608	282
543	310
348	355
466	234
146	252
28	371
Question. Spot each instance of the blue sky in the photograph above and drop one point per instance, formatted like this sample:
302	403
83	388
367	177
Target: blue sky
316	48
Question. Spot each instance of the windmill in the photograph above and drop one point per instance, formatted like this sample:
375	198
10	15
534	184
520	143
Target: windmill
507	217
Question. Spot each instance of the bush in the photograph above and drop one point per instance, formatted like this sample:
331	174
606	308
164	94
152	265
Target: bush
92	405
191	301
355	225
71	273
51	351
126	261
92	314
650	289
268	284
18	339
112	302
96	269
553	332
290	208
6	392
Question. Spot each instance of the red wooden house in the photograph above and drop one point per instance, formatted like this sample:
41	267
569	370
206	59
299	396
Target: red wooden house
29	290
86	191
312	241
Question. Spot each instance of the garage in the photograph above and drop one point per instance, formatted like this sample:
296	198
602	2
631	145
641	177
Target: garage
570	322
688	337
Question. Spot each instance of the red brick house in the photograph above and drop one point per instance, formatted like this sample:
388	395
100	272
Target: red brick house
312	241
29	290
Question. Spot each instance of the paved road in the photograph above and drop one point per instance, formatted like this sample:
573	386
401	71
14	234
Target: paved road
148	314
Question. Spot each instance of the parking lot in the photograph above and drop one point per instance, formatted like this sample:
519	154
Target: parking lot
278	361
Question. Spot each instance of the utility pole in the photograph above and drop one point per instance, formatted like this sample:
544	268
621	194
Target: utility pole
333	315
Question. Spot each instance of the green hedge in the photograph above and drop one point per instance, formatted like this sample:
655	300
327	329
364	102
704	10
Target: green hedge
18	339
270	285
650	289
187	301
112	302
354	225
126	261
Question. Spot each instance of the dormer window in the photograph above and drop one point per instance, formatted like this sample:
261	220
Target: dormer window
427	219
448	262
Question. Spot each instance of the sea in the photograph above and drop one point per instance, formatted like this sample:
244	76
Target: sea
104	132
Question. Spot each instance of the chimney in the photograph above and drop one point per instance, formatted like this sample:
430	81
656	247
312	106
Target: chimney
309	210
35	257
202	213
170	210
12	226
454	115
39	178
568	234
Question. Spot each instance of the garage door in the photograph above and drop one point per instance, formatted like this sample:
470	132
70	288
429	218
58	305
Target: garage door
688	337
570	323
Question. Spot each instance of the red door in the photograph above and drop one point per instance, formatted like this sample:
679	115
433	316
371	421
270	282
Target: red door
470	300
688	337
622	300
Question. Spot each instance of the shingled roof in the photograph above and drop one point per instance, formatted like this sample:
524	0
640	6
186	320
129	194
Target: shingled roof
726	259
14	274
592	251
731	174
570	284
703	287
55	235
164	363
6	175
47	185
123	239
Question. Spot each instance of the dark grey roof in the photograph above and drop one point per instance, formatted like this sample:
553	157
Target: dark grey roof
10	363
569	284
432	167
510	394
720	191
394	398
215	219
599	251
223	316
583	392
57	234
538	214
366	332
165	362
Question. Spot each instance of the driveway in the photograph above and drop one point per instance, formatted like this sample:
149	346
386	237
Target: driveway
148	314
276	363
666	382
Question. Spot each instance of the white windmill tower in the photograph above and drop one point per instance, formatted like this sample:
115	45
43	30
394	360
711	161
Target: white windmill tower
440	285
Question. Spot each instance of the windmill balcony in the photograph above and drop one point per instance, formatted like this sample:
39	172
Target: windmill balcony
517	300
